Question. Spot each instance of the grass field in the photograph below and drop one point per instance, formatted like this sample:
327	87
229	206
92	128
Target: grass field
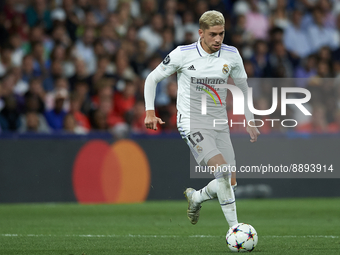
287	226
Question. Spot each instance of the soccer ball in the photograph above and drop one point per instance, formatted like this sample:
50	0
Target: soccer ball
241	238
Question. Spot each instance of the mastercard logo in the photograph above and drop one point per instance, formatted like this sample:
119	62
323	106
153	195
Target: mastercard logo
117	173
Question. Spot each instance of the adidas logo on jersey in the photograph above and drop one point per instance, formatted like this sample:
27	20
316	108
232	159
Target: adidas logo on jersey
192	68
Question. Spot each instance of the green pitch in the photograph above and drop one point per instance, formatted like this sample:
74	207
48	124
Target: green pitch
284	226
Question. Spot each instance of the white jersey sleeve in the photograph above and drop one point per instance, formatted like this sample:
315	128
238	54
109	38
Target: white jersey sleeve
171	64
239	76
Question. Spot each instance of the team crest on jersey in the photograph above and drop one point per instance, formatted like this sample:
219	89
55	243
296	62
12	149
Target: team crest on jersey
199	148
225	69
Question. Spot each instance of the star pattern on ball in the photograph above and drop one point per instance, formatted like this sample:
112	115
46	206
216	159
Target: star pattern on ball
239	246
235	230
250	235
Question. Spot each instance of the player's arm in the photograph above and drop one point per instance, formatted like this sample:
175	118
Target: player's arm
251	129
170	65
151	82
240	78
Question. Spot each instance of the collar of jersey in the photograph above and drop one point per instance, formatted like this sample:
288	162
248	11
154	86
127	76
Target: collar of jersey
203	53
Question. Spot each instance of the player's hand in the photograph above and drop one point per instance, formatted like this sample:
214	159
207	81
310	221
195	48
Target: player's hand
253	132
151	120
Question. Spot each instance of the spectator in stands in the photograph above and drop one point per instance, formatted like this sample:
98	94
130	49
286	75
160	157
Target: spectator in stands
121	67
295	37
99	121
148	9
104	72
103	89
89	22
279	62
9	115
101	11
320	35
128	44
6	59
16	21
40	64
328	14
279	18
27	68
188	29
70	125
21	86
74	16
256	23
306	70
79	117
105	112
109	38
124	19
33	122
81	73
125	100
260	59
60	36
36	89
18	53
33	104
167	45
139	60
82	90
88	41
59	85
55	117
39	14
85	49
151	33
53	75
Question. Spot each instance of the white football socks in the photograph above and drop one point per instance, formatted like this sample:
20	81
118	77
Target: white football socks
226	196
222	189
207	193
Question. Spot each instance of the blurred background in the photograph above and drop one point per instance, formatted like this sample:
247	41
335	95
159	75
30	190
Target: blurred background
76	66
72	78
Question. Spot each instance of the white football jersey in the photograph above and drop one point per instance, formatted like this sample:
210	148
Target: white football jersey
198	72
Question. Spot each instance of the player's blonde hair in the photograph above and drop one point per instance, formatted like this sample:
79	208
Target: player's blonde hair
210	19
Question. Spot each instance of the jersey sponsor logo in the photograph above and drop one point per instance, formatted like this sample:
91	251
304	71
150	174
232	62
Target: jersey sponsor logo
202	84
206	80
213	90
225	69
192	68
166	60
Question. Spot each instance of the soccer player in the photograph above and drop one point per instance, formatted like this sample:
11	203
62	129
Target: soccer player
200	66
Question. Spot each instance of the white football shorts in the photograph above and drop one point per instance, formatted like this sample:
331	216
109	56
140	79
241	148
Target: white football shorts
207	143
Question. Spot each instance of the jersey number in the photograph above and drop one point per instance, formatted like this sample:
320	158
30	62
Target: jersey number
197	140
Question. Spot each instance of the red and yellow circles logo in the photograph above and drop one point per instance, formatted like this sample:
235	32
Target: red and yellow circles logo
111	174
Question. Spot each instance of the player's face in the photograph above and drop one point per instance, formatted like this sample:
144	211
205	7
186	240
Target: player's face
212	38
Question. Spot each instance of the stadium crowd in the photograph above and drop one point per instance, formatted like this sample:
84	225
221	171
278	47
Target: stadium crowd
79	65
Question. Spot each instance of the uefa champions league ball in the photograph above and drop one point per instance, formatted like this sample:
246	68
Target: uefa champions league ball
241	238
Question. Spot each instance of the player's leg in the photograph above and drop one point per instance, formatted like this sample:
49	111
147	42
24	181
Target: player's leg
209	192
203	148
225	193
227	199
225	146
